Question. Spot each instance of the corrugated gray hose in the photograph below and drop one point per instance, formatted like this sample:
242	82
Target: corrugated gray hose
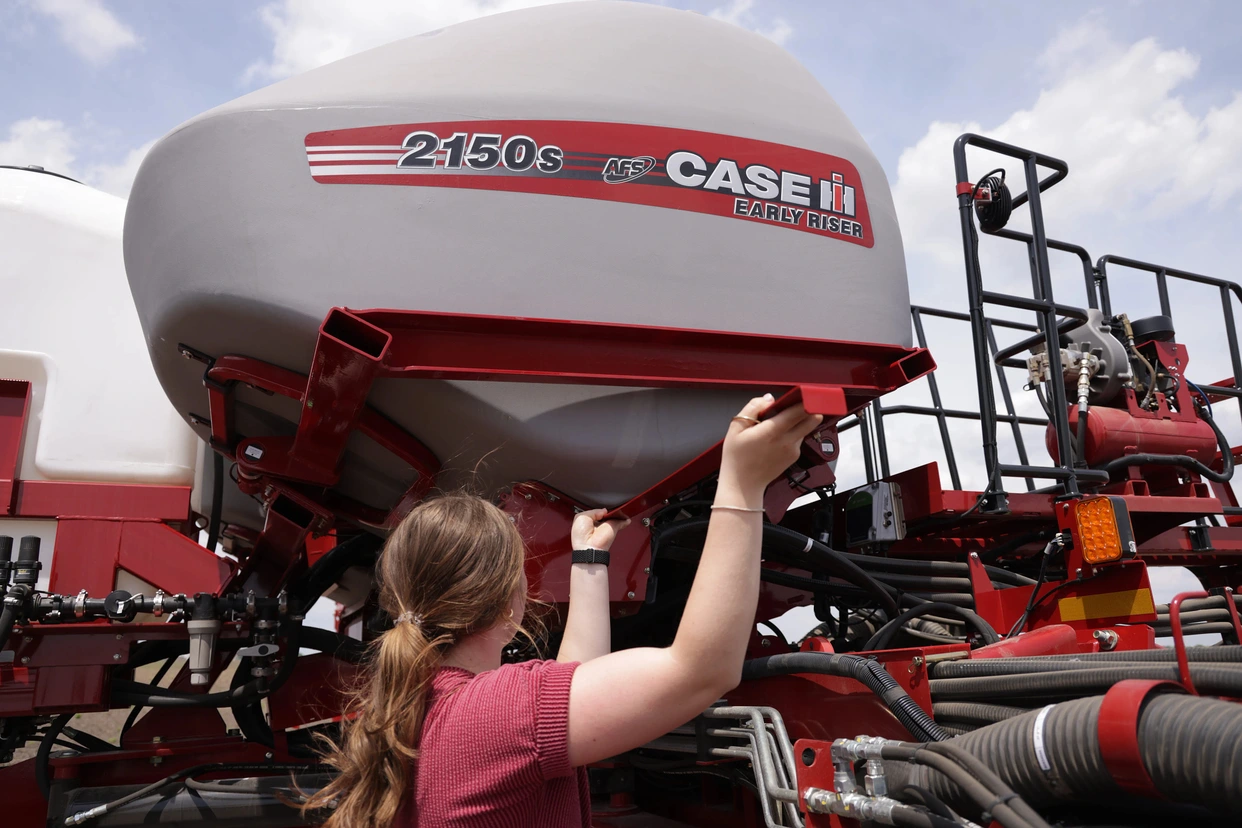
1191	747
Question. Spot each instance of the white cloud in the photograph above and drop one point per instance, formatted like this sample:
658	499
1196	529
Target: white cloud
117	178
88	28
50	144
1114	114
40	142
740	13
310	33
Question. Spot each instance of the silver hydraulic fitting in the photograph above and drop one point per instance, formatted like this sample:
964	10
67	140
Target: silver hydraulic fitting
850	805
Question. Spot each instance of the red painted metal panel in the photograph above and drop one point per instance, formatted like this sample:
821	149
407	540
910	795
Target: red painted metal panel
85	556
64	689
169	560
52	499
470	347
817	773
14	406
17	688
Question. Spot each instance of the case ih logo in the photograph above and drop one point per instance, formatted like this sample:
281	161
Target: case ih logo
742	179
621	170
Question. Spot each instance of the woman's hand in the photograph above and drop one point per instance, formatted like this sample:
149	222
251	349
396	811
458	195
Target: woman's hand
588	533
755	453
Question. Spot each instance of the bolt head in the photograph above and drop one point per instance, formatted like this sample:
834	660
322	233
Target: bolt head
25	659
629	595
646	521
116	656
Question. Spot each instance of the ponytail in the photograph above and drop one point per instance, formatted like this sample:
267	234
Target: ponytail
379	737
450	569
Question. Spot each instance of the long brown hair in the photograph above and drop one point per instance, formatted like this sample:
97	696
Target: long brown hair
454	564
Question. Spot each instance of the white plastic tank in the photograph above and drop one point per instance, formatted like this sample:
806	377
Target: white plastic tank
616	162
69	327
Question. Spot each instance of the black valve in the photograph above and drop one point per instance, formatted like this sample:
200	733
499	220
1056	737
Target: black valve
26	571
6	561
120	606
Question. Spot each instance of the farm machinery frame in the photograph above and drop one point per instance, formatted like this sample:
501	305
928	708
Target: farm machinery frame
946	616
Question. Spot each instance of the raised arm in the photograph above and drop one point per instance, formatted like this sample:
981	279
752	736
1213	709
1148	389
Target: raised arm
588	629
622	700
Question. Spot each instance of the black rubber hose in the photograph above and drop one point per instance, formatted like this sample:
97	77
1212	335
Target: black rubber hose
975	787
1210	680
830	588
360	550
882	637
870	673
933	567
44	753
1226	653
1182	460
217	500
823	558
1191	748
137	711
133	693
1211	602
969	668
14	600
830	560
928	800
249	716
904	815
8	618
975	712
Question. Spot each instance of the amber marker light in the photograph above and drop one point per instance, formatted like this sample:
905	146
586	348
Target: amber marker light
1103	529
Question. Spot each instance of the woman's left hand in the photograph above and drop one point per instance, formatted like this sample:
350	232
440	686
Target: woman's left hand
588	533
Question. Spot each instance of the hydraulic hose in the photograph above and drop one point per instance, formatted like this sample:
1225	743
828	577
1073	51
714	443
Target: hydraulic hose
969	668
880	640
135	693
934	567
824	558
217	500
1210	680
1182	460
975	712
1227	653
1191	748
869	673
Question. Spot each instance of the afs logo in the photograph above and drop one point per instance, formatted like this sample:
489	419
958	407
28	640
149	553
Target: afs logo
621	170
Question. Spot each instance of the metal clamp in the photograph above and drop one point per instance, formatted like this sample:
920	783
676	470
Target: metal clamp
79	604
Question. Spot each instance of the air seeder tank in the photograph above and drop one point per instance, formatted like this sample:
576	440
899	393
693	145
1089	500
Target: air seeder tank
604	161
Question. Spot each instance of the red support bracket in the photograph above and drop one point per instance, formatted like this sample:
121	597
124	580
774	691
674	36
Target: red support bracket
1179	640
348	355
14	408
1117	729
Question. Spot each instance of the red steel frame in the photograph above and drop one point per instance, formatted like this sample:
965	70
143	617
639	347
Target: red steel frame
103	527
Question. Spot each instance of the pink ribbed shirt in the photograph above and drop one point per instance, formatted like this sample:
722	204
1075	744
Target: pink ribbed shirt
494	752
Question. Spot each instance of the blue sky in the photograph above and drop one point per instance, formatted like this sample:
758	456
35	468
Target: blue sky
1143	99
894	67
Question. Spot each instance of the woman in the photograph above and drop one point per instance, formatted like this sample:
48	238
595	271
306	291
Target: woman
446	736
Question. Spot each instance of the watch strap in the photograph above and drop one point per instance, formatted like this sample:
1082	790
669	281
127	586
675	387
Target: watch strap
590	556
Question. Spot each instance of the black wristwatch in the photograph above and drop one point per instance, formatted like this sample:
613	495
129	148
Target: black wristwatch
598	556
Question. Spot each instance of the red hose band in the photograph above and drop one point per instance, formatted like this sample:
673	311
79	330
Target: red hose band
1118	732
965	188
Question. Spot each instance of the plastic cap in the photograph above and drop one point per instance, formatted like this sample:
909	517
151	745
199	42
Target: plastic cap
6	548
29	549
